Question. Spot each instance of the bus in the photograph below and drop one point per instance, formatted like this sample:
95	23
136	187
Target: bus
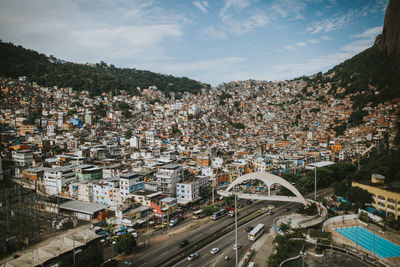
198	214
256	232
218	214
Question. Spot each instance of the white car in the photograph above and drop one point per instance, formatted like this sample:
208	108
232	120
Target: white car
214	250
192	256
237	246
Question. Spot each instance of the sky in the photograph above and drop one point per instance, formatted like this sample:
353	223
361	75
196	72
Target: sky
209	41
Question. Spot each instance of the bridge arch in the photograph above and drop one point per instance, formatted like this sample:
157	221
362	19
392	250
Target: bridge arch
268	179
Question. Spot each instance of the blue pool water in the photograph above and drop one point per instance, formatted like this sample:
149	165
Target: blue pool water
370	241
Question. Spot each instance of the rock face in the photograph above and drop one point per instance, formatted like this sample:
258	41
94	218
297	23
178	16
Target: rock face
389	40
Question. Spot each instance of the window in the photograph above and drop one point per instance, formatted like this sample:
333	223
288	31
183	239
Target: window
391	200
381	197
380	204
391	207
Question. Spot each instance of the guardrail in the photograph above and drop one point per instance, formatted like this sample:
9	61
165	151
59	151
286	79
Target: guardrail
339	219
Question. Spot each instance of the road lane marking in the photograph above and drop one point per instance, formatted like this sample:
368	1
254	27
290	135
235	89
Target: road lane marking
164	253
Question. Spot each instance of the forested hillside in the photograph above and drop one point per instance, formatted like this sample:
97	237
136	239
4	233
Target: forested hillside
95	78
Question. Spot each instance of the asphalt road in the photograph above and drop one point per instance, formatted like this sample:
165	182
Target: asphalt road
158	253
225	243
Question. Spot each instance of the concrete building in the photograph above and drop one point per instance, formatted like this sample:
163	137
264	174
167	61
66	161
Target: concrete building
56	178
88	172
189	191
384	197
167	177
130	182
22	158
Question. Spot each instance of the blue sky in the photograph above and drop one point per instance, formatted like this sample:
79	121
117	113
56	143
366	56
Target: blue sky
210	41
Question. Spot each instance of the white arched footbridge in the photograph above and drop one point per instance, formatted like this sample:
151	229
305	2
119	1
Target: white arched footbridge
268	179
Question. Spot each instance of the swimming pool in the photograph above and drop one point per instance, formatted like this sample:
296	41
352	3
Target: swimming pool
370	241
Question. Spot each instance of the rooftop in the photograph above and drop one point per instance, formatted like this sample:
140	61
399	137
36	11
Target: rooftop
82	206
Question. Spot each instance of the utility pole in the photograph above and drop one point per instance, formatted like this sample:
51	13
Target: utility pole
7	210
148	234
73	245
212	184
236	226
315	183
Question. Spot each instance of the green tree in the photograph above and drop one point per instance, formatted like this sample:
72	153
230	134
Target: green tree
128	134
230	201
126	113
284	227
88	257
205	191
209	209
125	243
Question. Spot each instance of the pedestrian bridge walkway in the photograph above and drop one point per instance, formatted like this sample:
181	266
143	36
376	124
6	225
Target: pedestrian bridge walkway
269	180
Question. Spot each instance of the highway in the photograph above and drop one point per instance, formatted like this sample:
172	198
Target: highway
158	253
225	243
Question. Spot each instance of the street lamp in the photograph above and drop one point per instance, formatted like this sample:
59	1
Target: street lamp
212	184
236	227
73	245
315	182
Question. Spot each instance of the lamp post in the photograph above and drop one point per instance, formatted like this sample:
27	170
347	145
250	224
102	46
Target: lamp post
236	235
148	234
315	182
73	245
212	184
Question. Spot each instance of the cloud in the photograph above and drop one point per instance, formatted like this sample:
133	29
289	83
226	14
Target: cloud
220	69
321	63
290	47
329	24
369	33
235	4
214	33
201	5
357	46
301	44
108	37
280	11
326	38
313	41
237	26
286	8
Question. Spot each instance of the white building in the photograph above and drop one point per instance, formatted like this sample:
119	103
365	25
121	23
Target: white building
22	158
190	190
217	162
50	130
85	192
167	178
101	192
130	182
55	178
60	119
150	135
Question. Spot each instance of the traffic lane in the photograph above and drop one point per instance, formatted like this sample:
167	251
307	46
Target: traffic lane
225	244
172	244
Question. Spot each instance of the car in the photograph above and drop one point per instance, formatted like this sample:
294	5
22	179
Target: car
249	228
287	209
183	243
192	256
270	212
236	246
214	250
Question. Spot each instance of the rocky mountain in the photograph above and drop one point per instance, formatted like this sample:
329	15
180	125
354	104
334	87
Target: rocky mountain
389	40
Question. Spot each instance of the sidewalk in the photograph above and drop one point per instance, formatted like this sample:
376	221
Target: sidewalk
263	248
